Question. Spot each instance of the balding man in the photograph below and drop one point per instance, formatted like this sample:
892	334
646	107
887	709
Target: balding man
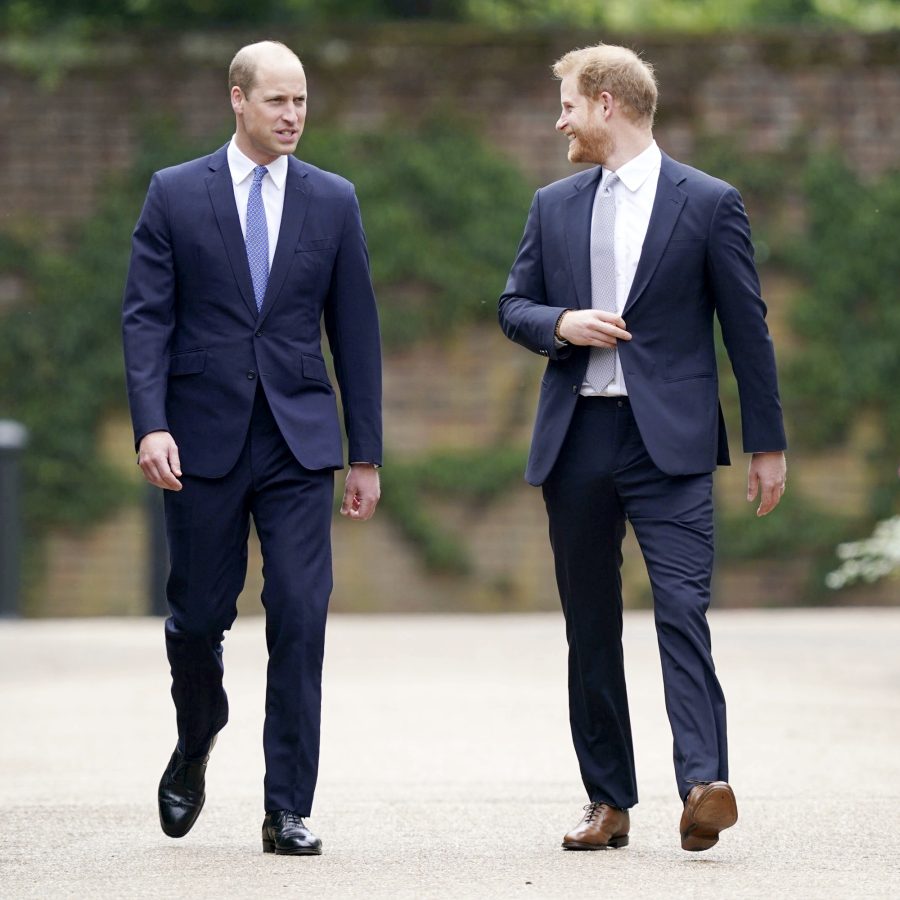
237	258
618	279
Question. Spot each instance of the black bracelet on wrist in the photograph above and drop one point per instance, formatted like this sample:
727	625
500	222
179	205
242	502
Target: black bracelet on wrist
556	333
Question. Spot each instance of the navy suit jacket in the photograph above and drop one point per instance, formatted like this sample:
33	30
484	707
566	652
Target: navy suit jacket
697	261
195	345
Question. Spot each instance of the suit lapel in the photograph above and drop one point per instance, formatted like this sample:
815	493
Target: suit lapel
579	207
667	206
221	193
296	205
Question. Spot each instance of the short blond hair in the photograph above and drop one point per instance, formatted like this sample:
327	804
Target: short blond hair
617	70
242	71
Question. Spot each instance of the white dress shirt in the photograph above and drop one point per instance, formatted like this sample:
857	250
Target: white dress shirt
241	168
634	193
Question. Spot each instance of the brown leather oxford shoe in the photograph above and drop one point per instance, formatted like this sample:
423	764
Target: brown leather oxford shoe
709	809
603	826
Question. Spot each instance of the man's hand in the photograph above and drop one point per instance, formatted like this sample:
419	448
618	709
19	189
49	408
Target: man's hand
767	477
593	328
362	491
158	459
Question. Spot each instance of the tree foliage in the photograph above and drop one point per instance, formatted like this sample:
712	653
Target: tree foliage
678	15
617	15
36	15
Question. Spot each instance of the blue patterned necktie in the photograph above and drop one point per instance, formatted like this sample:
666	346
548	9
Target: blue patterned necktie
602	362
257	237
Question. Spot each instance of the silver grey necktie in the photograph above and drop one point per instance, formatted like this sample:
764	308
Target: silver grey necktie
601	367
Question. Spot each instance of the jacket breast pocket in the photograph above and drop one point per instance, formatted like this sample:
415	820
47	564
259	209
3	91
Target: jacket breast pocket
686	248
690	376
187	362
326	243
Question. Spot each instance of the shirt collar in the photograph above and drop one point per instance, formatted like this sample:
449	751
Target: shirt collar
637	170
241	166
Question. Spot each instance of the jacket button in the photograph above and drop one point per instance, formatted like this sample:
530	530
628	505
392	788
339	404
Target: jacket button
251	375
259	333
574	388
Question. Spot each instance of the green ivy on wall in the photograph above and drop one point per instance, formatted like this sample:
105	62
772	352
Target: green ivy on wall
477	477
60	351
443	215
847	320
843	365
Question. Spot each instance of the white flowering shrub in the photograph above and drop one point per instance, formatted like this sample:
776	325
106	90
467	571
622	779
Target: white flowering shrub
870	559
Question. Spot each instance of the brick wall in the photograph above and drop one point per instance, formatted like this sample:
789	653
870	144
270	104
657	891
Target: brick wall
62	135
61	138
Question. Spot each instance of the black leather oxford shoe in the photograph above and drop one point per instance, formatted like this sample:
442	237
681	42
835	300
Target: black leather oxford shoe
182	793
284	832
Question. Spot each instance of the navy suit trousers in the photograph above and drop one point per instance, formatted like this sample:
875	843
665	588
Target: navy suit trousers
208	523
603	477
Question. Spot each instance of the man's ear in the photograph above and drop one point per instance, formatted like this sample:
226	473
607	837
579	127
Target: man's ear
606	102
237	100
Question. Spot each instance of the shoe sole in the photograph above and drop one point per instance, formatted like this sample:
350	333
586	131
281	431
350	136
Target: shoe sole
269	847
614	844
714	813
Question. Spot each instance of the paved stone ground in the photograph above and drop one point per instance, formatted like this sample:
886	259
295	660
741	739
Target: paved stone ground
447	770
